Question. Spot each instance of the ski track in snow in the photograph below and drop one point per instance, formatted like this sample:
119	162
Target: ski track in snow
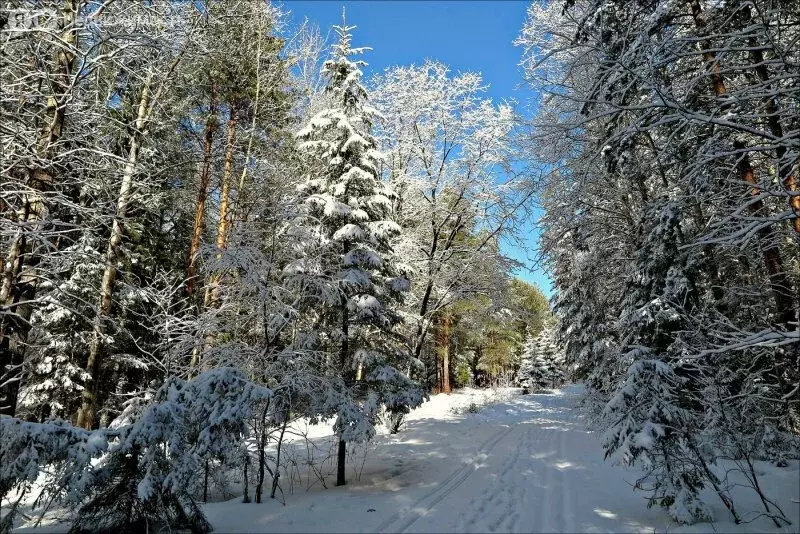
425	504
523	482
566	490
523	485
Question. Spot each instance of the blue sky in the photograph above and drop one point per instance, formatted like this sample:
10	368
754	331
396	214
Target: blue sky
466	35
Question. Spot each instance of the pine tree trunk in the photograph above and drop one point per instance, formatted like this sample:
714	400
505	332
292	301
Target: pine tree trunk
717	81
212	295
200	207
360	371
437	385
779	281
443	352
447	338
202	195
86	414
792	185
18	287
787	170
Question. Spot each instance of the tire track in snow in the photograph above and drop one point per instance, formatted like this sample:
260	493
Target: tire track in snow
420	507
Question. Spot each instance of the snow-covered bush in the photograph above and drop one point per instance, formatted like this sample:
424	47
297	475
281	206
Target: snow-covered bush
54	455
647	425
148	478
148	466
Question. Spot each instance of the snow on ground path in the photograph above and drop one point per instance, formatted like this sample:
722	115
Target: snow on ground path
533	478
401	522
523	464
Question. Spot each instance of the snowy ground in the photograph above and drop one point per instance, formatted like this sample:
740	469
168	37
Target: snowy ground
522	463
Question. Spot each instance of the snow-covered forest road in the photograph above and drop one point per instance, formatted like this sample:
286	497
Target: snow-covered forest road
522	463
517	479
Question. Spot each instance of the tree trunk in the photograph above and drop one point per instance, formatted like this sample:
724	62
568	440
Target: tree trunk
786	167
240	209
86	414
262	453
212	295
359	371
792	186
202	195
277	475
245	480
18	287
446	338
437	384
205	482
341	457
200	207
779	281
717	81
474	362
343	357
422	328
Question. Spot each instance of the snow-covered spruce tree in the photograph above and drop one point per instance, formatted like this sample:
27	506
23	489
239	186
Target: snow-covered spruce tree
647	425
528	373
541	366
37	105
653	418
61	332
553	358
587	300
53	456
351	210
